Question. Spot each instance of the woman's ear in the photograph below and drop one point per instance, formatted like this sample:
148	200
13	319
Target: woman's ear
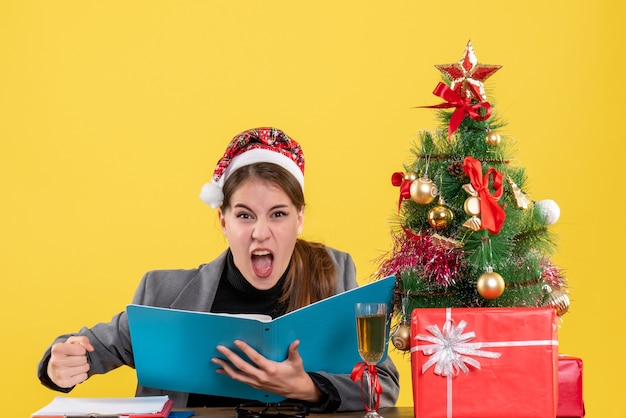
300	221
220	215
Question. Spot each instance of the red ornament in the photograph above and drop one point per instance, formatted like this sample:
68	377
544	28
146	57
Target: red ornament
467	76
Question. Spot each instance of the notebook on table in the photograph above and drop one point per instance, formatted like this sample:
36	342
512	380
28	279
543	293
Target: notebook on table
140	407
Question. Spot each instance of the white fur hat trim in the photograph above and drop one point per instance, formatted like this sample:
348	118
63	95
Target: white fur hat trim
211	193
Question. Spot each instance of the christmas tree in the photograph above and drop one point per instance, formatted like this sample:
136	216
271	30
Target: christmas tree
467	232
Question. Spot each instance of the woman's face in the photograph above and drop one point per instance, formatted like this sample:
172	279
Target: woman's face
261	226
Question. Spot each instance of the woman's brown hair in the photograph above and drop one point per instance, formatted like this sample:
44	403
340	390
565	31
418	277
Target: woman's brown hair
311	274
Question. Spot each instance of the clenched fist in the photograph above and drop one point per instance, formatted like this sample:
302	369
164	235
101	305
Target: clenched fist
68	365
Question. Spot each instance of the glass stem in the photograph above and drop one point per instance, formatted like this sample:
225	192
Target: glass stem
371	384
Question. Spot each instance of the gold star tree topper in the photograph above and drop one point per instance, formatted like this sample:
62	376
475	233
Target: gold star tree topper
467	76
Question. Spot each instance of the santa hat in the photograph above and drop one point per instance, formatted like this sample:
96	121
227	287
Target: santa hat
269	145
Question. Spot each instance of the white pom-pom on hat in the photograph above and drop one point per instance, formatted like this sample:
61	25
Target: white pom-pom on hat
252	146
212	194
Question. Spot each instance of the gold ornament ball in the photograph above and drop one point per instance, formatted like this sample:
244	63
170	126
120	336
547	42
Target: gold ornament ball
493	139
411	176
472	206
401	336
440	217
559	301
423	191
490	285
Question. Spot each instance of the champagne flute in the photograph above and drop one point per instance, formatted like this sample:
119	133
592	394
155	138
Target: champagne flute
371	325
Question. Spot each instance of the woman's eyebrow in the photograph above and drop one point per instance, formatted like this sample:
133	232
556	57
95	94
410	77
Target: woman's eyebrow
244	206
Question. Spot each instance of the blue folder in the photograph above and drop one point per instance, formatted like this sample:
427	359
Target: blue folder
173	348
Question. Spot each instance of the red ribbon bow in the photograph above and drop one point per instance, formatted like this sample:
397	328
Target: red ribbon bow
357	374
398	180
492	214
463	107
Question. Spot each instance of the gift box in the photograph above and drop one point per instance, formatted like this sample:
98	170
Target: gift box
484	362
570	387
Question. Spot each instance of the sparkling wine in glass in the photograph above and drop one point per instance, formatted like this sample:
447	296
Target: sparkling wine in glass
371	326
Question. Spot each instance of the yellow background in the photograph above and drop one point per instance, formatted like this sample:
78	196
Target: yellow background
113	114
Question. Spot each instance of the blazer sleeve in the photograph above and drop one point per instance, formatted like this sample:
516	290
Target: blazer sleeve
111	340
111	343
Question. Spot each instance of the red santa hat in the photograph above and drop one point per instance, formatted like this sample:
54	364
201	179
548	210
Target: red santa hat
252	146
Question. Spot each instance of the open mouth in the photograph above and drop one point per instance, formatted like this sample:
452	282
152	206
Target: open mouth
262	262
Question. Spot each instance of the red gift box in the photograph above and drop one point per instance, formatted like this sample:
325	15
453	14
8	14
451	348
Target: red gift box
570	387
484	362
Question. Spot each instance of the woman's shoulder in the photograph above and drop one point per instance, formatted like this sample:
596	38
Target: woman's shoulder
345	269
339	257
167	284
170	276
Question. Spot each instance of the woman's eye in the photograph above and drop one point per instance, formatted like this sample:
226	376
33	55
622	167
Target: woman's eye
279	214
243	215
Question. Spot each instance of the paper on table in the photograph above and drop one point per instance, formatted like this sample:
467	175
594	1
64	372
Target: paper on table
66	406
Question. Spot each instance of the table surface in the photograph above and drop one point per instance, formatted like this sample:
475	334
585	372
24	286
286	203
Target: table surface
396	412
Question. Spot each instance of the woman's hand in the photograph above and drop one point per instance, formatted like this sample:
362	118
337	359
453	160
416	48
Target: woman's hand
68	365
286	378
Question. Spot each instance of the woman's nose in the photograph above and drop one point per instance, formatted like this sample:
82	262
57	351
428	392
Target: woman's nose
261	230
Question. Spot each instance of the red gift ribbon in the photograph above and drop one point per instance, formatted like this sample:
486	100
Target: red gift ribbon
358	373
492	214
463	107
552	343
398	180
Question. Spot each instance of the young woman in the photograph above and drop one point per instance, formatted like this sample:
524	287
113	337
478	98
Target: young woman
258	189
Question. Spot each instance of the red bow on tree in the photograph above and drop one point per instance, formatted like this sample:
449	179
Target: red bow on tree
398	180
463	107
491	213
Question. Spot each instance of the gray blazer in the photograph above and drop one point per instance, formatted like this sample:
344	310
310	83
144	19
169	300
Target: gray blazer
195	290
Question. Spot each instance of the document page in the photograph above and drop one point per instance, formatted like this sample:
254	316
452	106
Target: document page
62	406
